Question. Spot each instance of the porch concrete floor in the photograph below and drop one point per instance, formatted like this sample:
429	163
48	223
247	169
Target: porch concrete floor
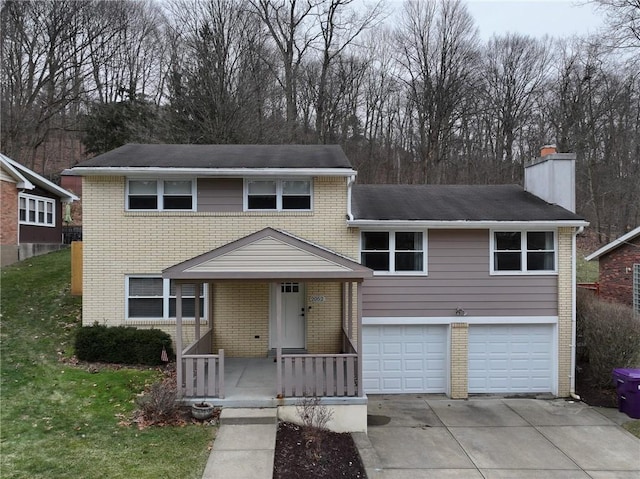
248	382
251	382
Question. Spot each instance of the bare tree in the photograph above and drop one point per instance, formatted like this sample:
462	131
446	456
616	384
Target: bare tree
437	50
514	72
340	25
292	25
622	18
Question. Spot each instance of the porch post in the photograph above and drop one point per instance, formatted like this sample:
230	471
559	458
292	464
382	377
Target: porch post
179	338
198	288
359	345
279	391
350	312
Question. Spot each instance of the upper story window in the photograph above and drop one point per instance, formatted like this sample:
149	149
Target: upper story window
277	194
515	252
160	195
35	210
401	252
152	297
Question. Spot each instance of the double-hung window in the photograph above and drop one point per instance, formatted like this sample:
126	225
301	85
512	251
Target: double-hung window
160	195
278	194
152	297
35	210
523	252
401	252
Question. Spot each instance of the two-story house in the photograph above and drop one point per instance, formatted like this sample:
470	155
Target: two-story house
279	277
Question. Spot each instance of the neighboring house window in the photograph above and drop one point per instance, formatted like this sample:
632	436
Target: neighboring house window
160	195
151	297
636	288
394	251
279	195
523	251
35	210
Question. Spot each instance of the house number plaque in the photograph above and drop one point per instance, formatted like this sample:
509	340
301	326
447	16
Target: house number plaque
317	299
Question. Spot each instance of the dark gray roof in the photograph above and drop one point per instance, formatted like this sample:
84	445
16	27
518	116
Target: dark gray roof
222	156
453	203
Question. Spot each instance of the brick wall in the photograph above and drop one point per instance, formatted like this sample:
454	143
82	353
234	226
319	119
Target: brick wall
565	310
119	243
9	221
459	360
616	272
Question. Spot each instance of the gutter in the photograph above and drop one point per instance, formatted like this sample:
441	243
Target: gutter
142	172
350	183
455	224
572	374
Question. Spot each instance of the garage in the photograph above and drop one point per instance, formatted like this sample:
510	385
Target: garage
511	358
404	359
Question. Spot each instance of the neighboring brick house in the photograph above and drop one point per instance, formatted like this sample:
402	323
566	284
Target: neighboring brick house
619	263
32	212
248	250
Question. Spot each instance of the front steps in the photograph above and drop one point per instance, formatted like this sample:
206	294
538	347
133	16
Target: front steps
244	416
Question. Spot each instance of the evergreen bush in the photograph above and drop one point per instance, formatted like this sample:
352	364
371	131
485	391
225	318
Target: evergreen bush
122	345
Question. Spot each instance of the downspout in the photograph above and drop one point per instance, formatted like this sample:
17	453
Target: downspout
574	254
350	183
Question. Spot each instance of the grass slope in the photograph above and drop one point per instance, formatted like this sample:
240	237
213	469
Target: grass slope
60	421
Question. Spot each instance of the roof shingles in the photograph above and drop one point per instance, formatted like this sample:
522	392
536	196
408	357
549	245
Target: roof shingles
221	156
453	203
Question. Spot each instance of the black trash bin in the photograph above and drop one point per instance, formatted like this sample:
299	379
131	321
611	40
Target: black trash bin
628	388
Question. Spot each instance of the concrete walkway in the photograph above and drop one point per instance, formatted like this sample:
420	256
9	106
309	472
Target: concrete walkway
422	438
244	445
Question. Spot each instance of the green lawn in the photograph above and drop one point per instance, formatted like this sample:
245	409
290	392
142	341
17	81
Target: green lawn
586	271
60	421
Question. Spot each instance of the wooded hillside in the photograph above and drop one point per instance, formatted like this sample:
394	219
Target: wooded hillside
415	97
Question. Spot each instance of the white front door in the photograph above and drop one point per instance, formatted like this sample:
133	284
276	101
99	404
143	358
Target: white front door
293	316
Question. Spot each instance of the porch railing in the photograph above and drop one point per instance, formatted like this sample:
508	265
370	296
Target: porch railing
319	375
202	373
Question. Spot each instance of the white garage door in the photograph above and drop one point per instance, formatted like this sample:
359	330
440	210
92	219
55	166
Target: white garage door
404	359
511	359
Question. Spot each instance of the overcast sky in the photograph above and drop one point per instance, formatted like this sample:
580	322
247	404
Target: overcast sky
535	17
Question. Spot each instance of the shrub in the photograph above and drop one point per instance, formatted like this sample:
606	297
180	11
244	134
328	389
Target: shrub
609	334
158	406
122	345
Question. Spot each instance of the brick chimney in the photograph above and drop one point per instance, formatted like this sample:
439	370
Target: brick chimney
552	177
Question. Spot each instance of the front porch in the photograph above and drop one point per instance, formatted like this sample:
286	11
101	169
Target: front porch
251	382
267	298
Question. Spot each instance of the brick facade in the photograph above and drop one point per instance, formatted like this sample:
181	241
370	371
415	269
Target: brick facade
117	243
459	360
616	272
565	309
9	221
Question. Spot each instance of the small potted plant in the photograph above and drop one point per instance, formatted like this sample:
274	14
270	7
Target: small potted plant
202	410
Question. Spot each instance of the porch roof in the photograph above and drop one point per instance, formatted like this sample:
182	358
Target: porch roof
268	254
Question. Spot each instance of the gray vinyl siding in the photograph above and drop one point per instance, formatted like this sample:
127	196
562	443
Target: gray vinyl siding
220	194
458	277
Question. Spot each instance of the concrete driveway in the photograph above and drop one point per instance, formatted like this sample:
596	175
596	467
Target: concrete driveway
418	437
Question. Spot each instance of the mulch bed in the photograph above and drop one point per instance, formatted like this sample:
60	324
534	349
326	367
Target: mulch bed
309	453
594	396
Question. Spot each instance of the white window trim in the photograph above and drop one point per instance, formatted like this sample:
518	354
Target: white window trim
160	194
166	290
392	251
523	252
37	199
279	182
